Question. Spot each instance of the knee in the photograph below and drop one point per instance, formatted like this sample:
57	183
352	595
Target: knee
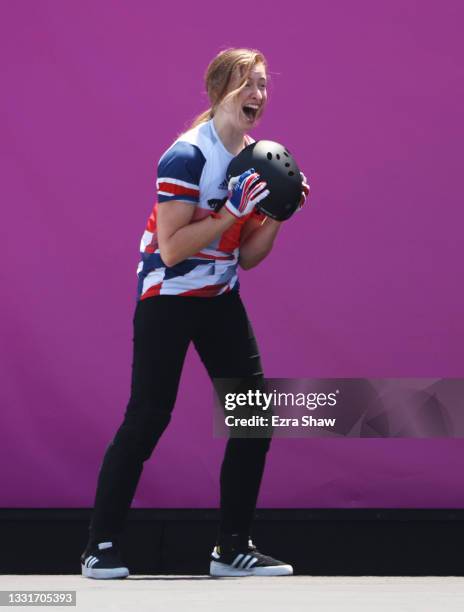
140	432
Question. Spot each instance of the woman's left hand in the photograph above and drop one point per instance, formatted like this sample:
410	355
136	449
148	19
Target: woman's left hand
304	193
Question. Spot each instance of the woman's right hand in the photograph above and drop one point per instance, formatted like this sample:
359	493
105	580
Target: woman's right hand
245	191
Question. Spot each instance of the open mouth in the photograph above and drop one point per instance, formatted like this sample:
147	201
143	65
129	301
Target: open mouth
250	112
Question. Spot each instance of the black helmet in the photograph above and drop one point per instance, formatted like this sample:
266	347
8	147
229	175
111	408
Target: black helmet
276	166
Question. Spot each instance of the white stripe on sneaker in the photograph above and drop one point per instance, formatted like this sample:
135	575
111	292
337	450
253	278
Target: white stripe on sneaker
244	561
252	562
93	562
237	560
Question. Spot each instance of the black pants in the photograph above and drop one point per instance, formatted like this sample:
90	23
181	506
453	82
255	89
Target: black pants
163	328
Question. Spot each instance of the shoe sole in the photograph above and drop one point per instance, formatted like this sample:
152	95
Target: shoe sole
104	574
222	569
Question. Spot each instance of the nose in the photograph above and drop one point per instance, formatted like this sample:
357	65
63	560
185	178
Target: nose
257	93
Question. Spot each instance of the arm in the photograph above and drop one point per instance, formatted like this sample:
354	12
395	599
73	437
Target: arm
258	235
179	238
178	189
257	241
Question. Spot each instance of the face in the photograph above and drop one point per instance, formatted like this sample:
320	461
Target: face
249	105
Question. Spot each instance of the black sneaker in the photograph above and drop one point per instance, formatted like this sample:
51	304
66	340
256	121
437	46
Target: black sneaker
102	561
235	558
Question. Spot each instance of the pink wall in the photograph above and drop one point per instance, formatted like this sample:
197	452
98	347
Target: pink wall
366	283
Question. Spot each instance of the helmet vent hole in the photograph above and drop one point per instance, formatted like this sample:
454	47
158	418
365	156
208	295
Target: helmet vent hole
278	156
287	165
285	153
291	173
269	155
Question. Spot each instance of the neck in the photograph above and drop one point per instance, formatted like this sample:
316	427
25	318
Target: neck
232	138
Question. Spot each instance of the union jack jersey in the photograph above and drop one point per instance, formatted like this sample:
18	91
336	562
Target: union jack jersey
193	169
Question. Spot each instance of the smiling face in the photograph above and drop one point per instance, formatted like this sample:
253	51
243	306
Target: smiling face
248	106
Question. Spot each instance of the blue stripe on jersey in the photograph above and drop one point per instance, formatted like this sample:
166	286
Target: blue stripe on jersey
186	266
183	198
153	261
183	162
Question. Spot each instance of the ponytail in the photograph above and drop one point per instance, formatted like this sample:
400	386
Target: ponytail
202	118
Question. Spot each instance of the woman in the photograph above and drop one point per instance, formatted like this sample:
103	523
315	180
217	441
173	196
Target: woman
201	228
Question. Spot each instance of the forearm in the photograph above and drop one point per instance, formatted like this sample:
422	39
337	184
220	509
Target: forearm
258	244
193	237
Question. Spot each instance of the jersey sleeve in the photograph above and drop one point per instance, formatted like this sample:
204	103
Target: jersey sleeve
179	172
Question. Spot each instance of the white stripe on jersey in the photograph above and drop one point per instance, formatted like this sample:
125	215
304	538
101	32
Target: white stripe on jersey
174	181
146	240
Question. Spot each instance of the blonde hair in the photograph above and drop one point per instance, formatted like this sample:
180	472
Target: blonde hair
218	76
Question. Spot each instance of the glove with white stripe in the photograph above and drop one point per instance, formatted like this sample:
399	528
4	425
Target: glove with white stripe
245	191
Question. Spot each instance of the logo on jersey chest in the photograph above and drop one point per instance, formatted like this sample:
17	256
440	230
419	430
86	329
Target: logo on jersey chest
224	184
216	203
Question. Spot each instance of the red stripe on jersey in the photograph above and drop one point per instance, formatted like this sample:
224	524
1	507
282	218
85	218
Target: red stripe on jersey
154	290
151	248
215	257
230	239
151	224
208	291
178	189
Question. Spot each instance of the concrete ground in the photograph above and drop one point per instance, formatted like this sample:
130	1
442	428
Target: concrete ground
286	594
